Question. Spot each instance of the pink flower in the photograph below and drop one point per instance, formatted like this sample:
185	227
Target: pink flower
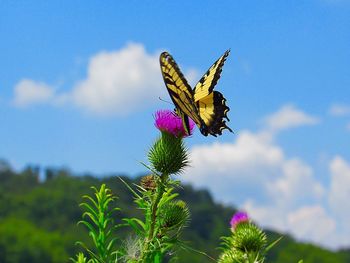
237	218
168	121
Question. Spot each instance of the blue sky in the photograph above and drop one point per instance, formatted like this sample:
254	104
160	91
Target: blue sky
80	81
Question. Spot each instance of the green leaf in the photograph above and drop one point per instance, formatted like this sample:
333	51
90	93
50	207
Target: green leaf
273	244
131	190
136	224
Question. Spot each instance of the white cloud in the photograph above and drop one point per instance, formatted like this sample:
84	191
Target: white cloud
278	191
288	117
339	110
311	223
254	173
266	215
299	204
233	171
305	223
296	184
28	92
119	82
192	76
339	195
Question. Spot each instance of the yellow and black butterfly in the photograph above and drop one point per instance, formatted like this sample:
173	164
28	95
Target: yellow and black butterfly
207	108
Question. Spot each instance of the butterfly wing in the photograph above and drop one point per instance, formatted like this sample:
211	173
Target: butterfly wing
213	110
185	121
179	90
211	105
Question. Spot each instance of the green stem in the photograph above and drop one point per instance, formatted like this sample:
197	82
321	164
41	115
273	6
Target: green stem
158	197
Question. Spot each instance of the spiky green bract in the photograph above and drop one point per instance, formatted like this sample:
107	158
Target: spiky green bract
174	215
248	237
99	221
247	244
232	256
168	155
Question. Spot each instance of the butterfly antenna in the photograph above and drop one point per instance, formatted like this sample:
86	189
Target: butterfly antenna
166	101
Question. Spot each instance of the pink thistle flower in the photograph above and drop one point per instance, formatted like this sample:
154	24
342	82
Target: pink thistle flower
238	218
168	121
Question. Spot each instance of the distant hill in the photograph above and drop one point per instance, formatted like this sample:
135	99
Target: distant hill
38	219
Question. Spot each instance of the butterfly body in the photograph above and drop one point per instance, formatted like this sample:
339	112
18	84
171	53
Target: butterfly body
207	108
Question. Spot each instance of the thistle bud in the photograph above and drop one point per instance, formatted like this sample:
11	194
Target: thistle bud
168	155
175	214
148	182
248	238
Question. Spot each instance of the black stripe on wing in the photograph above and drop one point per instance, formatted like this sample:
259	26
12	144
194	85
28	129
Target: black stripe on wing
172	74
209	80
179	90
217	124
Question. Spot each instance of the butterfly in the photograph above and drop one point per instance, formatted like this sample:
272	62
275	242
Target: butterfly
207	108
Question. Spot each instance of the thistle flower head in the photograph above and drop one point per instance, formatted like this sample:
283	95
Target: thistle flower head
247	242
237	218
168	121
